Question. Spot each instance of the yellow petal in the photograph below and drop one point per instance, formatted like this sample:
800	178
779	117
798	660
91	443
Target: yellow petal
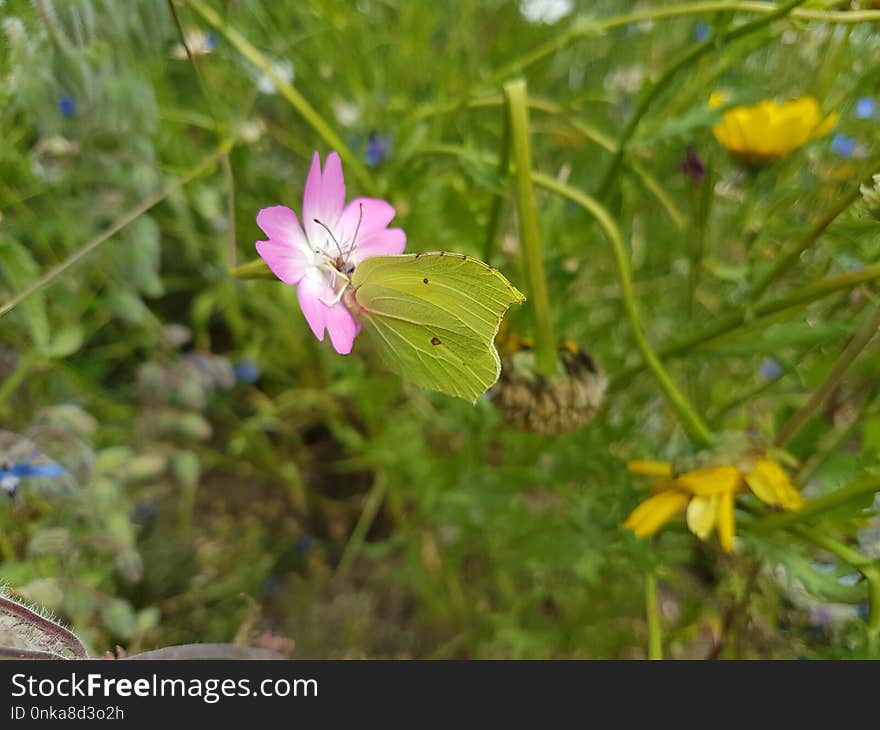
701	515
725	519
650	468
768	130
771	485
714	480
651	514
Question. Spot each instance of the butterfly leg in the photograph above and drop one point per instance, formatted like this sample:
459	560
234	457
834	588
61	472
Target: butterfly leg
336	298
337	295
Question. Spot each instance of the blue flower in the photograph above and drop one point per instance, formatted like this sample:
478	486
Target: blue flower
67	106
865	108
304	544
246	371
210	40
770	369
378	148
843	145
271	585
701	31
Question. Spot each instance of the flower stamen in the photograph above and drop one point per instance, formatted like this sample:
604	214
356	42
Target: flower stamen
332	237
331	266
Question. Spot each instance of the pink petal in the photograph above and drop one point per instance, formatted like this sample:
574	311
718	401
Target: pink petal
286	252
309	293
280	224
336	319
324	196
343	328
387	242
377	216
286	263
374	237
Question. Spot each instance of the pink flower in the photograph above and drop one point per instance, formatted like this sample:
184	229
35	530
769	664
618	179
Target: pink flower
320	255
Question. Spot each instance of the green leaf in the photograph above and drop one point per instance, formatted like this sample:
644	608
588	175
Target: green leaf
18	269
802	573
682	127
67	341
434	317
187	469
139	260
119	617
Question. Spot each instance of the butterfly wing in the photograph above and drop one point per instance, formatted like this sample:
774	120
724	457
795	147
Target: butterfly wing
434	317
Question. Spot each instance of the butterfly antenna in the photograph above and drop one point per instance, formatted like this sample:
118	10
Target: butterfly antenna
338	247
357	229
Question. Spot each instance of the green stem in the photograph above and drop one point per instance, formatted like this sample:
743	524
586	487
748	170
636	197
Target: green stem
498	198
572	35
793	254
655	639
870	569
809	409
830	444
255	269
702	199
728	324
686	60
819	506
371	508
585	129
693	424
530	237
835	547
296	100
147	204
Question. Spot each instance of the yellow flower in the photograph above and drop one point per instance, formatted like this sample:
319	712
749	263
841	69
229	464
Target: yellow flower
771	485
708	494
769	130
717	99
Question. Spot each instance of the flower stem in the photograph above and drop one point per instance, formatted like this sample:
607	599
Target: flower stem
368	515
150	202
693	424
296	100
816	507
583	128
255	269
788	259
573	34
809	409
498	199
530	237
728	324
655	638
683	62
868	567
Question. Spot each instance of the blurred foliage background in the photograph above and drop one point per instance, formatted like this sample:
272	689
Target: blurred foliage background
237	481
